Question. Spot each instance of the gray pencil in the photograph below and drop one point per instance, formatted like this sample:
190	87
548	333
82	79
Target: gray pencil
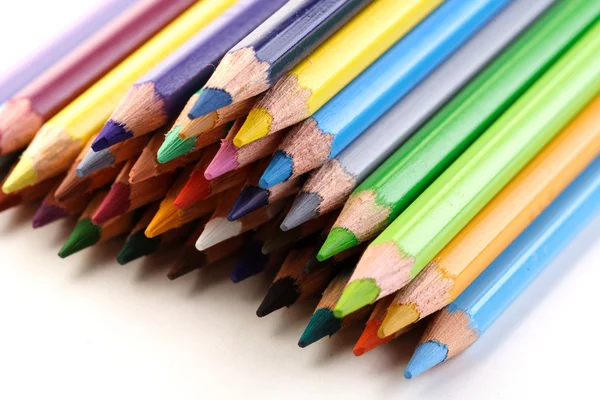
329	187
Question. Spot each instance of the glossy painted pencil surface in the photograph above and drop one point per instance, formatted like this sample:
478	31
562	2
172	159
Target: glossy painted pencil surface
28	70
329	186
277	45
25	113
61	138
392	187
337	61
357	106
397	255
160	95
460	324
499	223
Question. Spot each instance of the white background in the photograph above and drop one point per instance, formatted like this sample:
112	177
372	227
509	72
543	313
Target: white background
86	327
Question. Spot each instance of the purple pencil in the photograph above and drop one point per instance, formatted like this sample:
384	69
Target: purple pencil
25	72
159	96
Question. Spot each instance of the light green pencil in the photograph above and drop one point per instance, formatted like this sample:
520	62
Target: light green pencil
426	226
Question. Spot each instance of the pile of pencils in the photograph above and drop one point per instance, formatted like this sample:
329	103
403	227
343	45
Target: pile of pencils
400	159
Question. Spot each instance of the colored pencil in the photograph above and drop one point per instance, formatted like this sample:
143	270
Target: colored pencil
191	259
271	50
253	197
138	245
229	157
60	47
370	95
199	188
74	186
178	145
460	324
60	139
329	68
95	161
330	185
280	239
52	209
218	228
323	323
26	195
124	197
369	340
313	263
392	187
25	113
85	234
170	217
291	284
396	256
159	96
499	223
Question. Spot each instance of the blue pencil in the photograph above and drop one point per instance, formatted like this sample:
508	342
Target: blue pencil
29	69
456	327
161	94
333	127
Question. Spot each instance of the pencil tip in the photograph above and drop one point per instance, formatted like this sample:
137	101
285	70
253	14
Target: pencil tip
94	161
279	170
397	317
85	234
46	214
426	356
256	126
174	147
208	101
114	204
136	246
225	160
282	293
251	198
216	231
111	134
338	240
196	189
322	323
304	208
252	262
369	340
23	175
356	295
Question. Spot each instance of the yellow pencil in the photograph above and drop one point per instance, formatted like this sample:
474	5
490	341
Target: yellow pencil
318	78
499	223
58	142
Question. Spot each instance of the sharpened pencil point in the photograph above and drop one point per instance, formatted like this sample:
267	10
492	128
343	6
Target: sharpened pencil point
115	203
356	295
94	161
278	170
174	147
321	324
111	134
208	101
369	340
137	246
282	293
250	199
252	262
46	214
85	234
23	175
398	317
256	126
426	356
338	240
224	161
304	208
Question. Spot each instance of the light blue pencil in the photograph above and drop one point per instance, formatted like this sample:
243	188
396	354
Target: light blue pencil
24	73
333	127
456	327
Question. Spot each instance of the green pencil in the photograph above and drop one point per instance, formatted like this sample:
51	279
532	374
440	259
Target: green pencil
390	189
428	224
